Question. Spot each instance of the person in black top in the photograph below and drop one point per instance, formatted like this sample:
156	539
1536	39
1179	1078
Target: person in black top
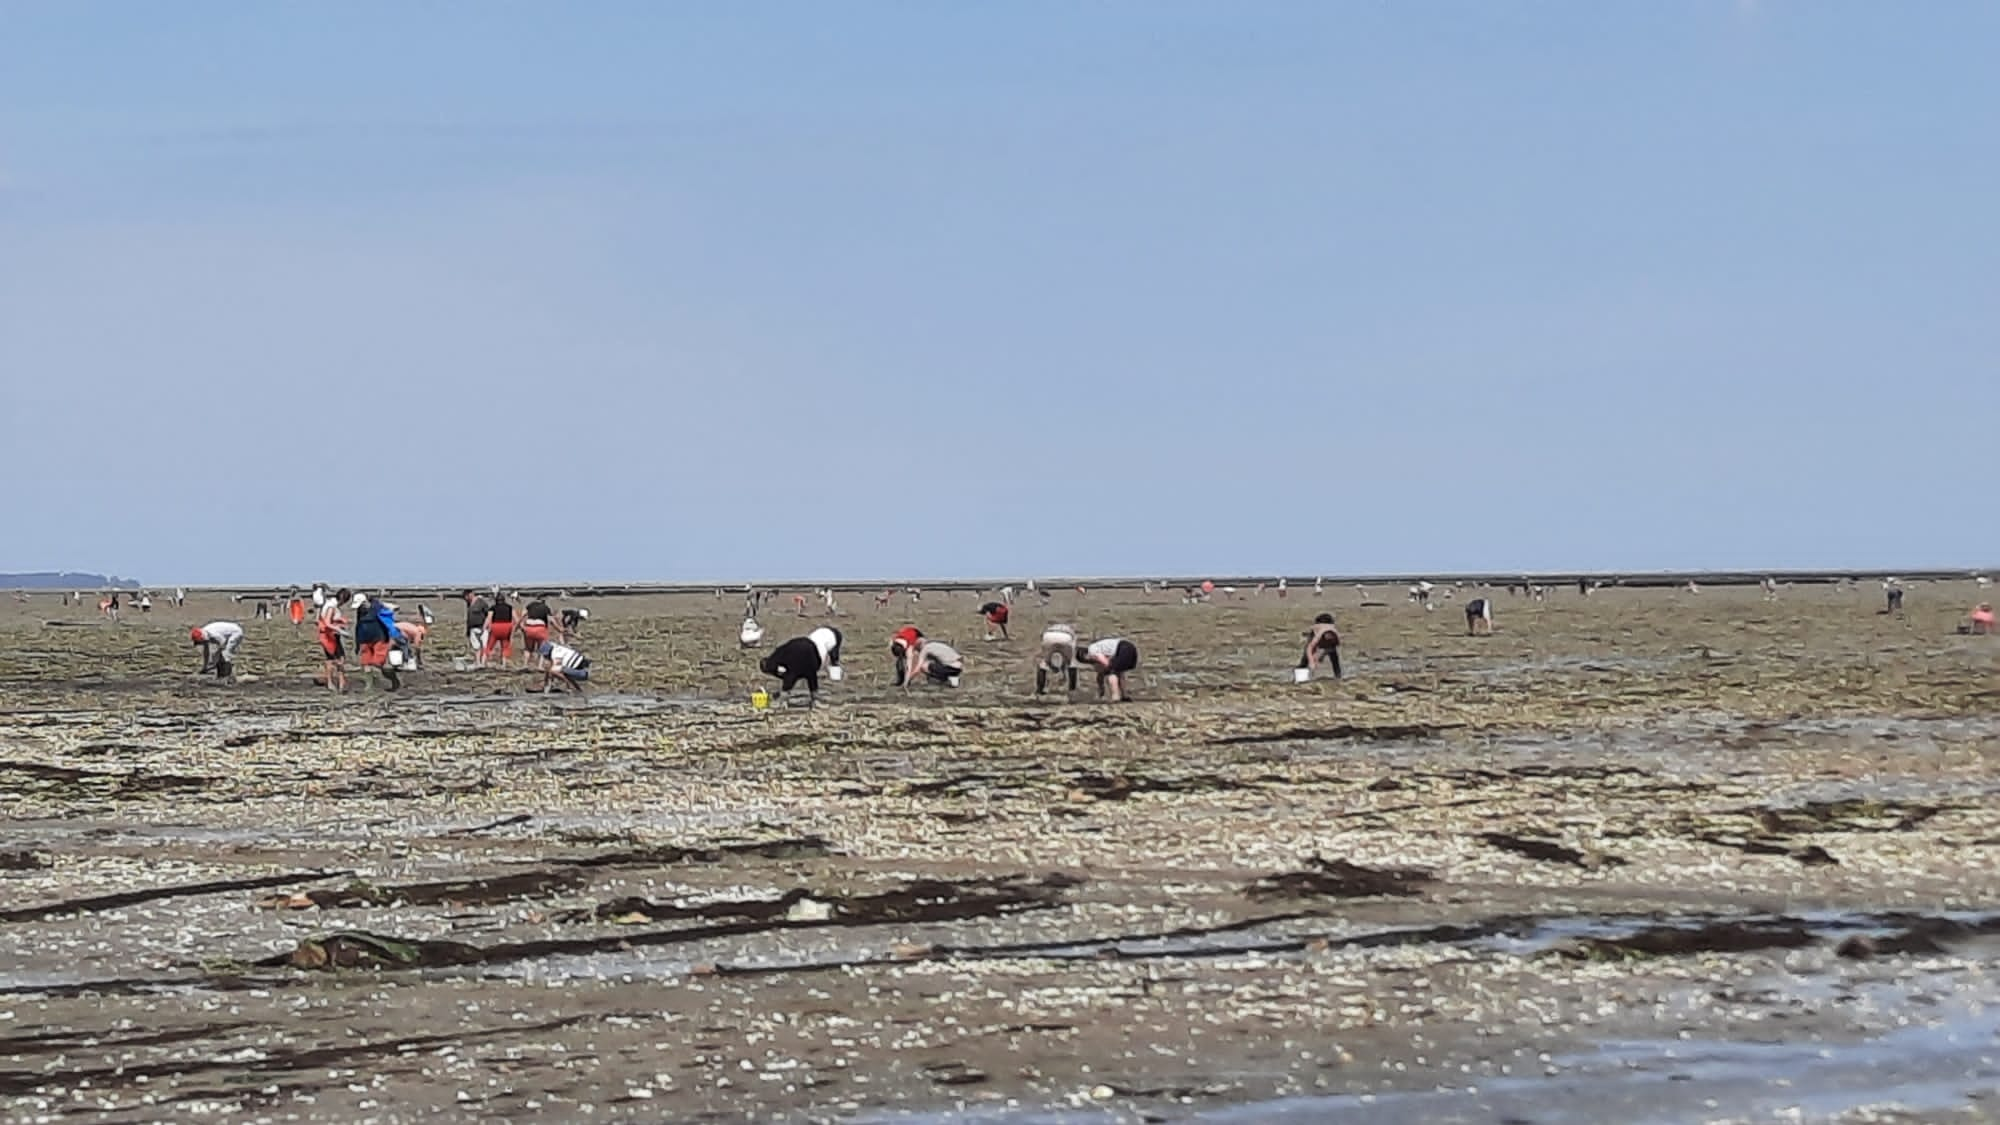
795	660
475	624
499	631
537	622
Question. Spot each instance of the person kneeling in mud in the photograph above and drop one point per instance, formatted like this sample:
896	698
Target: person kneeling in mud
563	664
1058	656
218	641
796	660
1322	643
1114	658
935	662
901	642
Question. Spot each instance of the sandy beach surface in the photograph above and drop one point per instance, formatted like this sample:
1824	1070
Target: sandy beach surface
1640	856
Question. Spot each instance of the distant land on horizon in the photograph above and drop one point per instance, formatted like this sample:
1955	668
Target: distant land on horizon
65	580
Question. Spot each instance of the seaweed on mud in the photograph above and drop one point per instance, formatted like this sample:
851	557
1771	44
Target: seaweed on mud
1340	879
1728	936
487	891
920	902
1811	855
1548	851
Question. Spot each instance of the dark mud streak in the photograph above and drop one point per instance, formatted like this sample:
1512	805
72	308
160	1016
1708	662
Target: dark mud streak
274	1061
57	1042
119	784
1405	732
798	847
123	899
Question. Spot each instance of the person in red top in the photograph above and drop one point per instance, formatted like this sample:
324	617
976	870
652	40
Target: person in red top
901	644
330	623
996	618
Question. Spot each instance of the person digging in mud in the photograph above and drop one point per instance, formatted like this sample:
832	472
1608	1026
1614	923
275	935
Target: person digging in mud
1058	656
900	644
827	640
796	660
218	641
562	664
996	618
374	638
572	622
934	662
1114	659
411	635
332	649
1479	617
1322	643
1980	624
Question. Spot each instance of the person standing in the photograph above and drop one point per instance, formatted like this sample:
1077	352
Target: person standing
333	652
476	609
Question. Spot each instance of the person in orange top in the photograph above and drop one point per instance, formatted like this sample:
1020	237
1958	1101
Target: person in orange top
330	623
296	610
1982	619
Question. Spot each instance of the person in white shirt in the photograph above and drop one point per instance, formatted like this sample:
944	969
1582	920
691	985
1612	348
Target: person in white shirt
1058	655
1114	657
827	640
218	641
561	663
935	661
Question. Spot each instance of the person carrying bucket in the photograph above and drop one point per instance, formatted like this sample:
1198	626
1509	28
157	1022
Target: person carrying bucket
375	636
1322	643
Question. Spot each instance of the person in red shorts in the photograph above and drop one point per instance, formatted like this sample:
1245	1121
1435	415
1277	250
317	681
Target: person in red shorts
537	622
329	623
499	631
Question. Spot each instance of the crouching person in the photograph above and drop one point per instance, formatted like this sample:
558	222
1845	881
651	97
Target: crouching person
563	665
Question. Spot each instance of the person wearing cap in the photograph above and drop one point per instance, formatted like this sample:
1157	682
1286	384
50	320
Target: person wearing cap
572	621
562	664
1058	655
1322	642
901	642
932	661
218	641
1114	659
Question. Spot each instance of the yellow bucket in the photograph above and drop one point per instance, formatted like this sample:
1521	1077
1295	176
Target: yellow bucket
760	700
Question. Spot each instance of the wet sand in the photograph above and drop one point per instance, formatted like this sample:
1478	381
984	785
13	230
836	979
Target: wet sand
1639	856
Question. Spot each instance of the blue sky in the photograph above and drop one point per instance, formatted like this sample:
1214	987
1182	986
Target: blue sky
423	291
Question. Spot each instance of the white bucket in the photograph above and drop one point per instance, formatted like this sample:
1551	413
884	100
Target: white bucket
1302	675
396	658
833	674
